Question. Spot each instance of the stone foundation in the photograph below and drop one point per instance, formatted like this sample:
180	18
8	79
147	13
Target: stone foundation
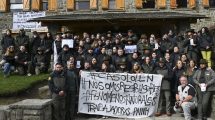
29	109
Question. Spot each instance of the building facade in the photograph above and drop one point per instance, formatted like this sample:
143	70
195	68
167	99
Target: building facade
145	16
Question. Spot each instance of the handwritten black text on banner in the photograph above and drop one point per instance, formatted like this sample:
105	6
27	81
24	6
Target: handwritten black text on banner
119	94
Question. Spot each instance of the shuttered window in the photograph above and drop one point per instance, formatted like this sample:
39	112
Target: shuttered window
105	4
161	3
70	4
36	5
173	4
138	4
205	3
52	5
192	4
4	5
93	4
26	5
120	4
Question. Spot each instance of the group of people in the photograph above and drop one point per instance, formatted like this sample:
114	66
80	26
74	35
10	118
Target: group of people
175	56
26	55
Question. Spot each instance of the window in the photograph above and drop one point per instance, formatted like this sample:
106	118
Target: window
82	4
182	3
112	4
148	3
212	3
45	5
16	5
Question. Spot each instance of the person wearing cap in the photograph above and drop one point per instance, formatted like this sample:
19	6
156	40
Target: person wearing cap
206	44
191	43
165	87
39	61
58	87
142	44
22	39
204	80
185	98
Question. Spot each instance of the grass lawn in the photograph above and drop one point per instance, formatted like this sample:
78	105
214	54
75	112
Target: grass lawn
16	83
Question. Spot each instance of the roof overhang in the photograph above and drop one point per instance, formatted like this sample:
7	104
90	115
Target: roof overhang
119	16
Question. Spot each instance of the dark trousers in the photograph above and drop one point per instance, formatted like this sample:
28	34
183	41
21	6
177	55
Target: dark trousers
70	105
203	100
58	105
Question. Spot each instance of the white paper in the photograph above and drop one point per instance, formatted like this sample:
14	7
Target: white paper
203	87
78	64
130	48
69	42
20	20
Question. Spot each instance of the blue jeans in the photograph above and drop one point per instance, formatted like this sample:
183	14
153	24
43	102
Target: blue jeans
7	68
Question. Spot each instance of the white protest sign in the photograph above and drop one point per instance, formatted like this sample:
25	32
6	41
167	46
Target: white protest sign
119	94
69	42
20	20
130	48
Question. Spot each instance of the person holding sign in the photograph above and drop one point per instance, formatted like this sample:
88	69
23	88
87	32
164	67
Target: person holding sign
204	80
165	87
185	98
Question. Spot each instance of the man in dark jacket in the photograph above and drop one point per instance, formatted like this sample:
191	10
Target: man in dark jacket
57	86
23	61
22	40
72	90
64	55
165	87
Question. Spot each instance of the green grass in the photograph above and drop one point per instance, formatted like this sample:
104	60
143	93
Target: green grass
15	83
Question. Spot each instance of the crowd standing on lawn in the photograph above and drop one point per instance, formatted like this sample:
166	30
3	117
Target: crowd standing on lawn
183	59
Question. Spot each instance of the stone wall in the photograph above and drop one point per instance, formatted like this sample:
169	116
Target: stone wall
29	109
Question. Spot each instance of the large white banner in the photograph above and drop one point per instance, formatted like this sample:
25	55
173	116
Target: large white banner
119	94
20	20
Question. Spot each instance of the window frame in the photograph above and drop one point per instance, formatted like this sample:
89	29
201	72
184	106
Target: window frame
78	9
